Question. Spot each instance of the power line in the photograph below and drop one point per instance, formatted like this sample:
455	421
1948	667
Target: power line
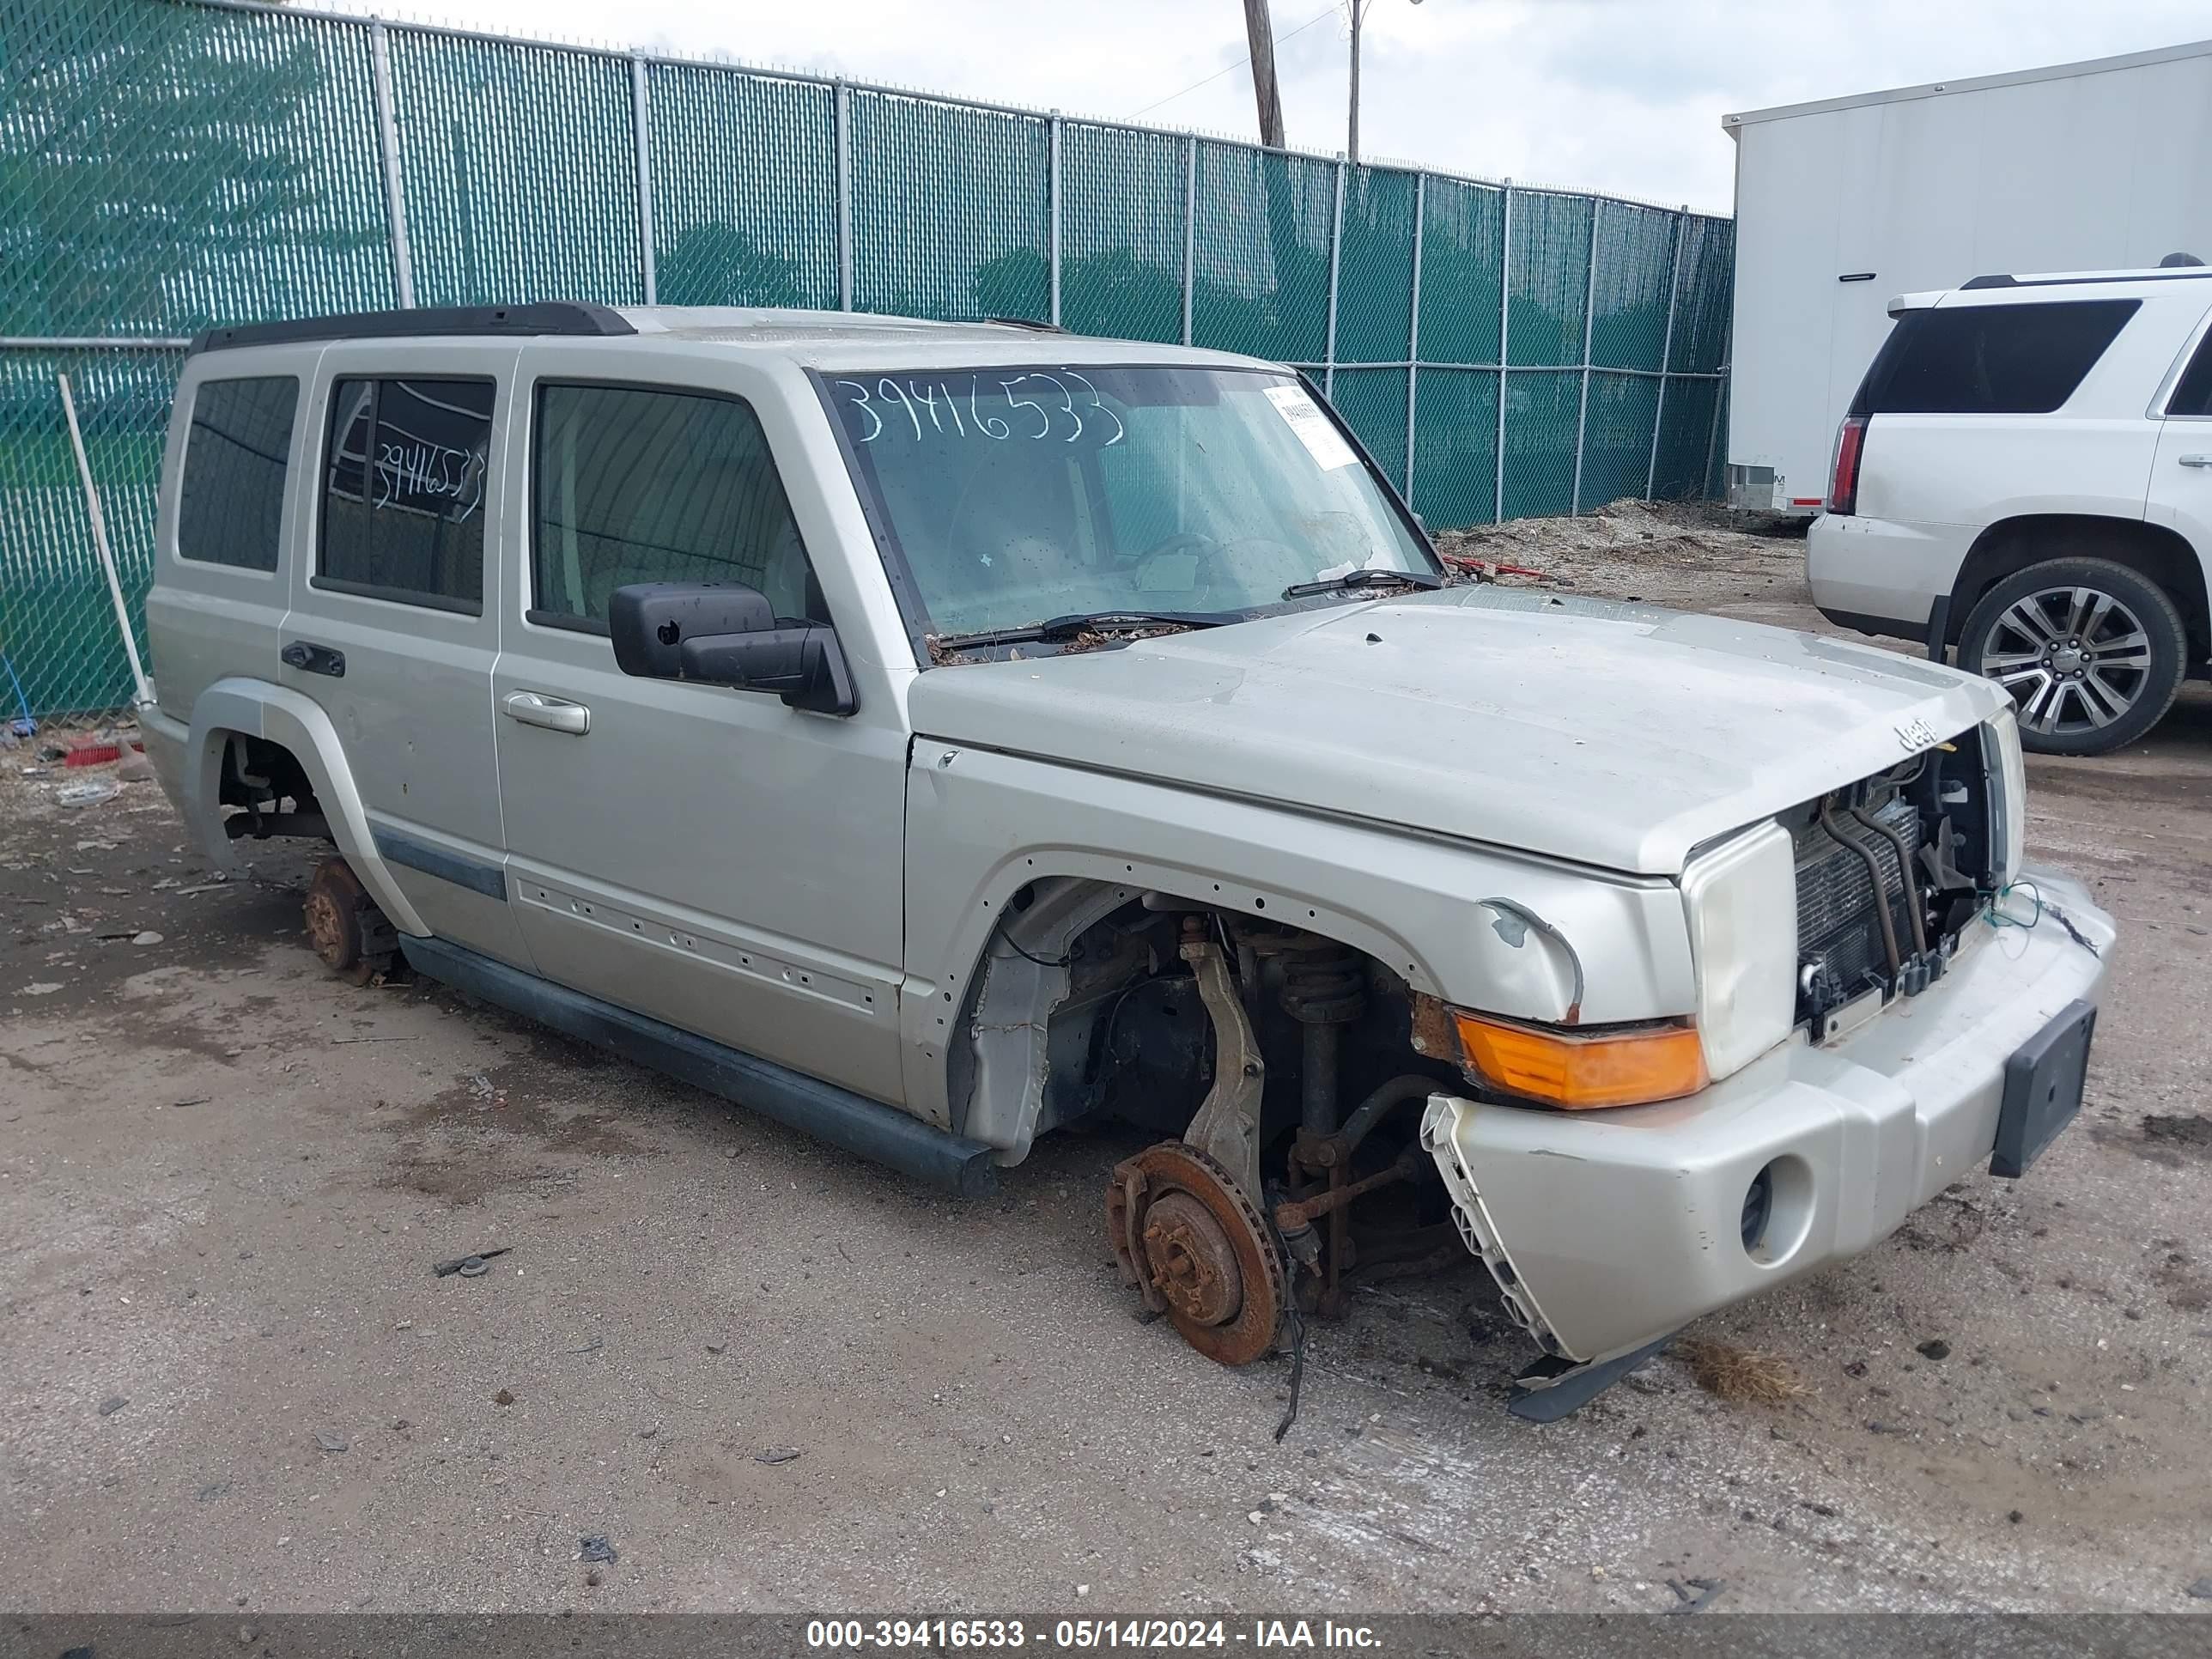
1239	64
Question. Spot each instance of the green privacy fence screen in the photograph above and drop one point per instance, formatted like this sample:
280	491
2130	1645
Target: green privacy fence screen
166	165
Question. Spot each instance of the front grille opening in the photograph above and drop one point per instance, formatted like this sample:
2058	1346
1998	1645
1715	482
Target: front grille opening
1889	869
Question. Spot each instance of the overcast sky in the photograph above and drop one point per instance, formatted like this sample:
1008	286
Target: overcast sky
1618	95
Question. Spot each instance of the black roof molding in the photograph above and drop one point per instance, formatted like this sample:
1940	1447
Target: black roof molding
541	317
2092	280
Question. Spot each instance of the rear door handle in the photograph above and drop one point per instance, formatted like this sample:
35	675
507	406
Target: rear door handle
2196	460
312	659
554	713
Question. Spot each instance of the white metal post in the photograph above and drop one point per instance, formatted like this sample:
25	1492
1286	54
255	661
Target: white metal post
100	546
1335	258
1189	232
1413	332
1504	327
641	121
1589	322
1053	213
844	197
387	142
1666	355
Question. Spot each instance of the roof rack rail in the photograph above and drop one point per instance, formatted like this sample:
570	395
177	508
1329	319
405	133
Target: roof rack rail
540	317
2088	279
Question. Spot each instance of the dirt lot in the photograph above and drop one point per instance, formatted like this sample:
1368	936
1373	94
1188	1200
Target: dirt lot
228	1378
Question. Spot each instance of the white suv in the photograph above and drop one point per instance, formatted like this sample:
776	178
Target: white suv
2025	473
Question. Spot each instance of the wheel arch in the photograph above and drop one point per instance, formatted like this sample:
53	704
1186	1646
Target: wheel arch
2153	552
244	707
996	1034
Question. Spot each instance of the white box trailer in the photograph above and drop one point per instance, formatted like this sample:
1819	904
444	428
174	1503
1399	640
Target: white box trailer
1842	204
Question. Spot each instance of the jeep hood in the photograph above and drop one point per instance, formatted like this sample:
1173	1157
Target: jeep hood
1615	735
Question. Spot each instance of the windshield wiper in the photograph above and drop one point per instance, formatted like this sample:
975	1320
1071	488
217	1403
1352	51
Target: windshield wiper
1352	580
1074	626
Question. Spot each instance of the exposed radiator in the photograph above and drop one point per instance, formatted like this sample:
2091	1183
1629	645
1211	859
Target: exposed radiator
1838	925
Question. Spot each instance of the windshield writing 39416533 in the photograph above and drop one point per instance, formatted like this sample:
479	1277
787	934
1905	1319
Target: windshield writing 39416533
1059	405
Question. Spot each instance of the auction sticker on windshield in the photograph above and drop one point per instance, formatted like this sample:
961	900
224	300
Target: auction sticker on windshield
1321	438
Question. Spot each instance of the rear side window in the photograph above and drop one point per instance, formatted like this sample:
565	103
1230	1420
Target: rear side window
230	502
404	492
642	486
1990	359
2192	392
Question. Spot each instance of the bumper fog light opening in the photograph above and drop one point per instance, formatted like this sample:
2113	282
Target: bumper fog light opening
1758	1209
1778	1211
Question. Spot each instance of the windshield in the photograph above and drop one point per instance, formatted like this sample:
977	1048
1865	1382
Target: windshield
1015	495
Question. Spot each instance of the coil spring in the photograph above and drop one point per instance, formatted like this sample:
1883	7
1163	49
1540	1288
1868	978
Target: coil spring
1324	986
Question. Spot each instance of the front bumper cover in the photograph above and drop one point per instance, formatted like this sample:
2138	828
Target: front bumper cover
1606	1230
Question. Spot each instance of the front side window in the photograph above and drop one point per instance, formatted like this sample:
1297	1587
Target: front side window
230	500
2018	359
1013	495
403	496
641	485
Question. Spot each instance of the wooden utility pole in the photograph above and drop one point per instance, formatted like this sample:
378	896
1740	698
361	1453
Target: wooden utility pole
1262	34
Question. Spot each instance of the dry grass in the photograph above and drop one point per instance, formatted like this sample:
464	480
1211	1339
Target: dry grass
1741	1375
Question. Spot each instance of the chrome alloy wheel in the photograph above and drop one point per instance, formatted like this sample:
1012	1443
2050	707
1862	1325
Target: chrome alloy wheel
2074	660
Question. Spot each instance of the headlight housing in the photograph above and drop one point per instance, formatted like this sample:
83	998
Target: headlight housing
2008	787
1740	898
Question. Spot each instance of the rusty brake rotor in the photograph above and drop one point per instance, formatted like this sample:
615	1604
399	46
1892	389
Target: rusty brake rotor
1199	1249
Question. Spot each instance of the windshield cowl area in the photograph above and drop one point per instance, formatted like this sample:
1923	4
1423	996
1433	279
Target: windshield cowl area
1114	500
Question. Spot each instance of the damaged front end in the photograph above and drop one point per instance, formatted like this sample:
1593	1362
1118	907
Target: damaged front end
1860	1055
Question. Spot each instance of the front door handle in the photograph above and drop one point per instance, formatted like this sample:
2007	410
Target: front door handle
554	713
2196	460
312	659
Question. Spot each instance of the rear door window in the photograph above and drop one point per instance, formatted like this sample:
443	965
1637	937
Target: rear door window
1989	359
230	500
404	490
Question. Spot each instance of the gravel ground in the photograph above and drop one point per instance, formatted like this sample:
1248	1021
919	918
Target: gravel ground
229	1380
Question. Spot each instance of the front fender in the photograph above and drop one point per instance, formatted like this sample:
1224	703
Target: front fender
256	708
1469	924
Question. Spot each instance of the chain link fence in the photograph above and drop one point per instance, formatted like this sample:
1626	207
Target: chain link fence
167	164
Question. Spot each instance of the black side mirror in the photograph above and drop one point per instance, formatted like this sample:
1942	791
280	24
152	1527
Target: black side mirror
649	623
803	664
728	634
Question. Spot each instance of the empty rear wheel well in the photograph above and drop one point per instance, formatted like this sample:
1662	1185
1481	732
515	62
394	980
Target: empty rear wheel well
2160	554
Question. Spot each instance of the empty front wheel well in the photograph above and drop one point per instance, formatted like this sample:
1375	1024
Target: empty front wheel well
2159	554
1085	1002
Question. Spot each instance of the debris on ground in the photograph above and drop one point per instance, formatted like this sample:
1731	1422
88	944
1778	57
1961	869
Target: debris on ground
594	1546
469	1267
1742	1375
1650	551
88	795
1694	1594
1934	1347
504	1397
332	1443
778	1455
112	1404
2201	1589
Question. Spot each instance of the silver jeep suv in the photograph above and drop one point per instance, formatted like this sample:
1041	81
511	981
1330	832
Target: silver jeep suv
930	735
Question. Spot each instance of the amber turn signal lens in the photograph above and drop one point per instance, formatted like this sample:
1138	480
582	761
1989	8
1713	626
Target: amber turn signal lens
1581	1071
